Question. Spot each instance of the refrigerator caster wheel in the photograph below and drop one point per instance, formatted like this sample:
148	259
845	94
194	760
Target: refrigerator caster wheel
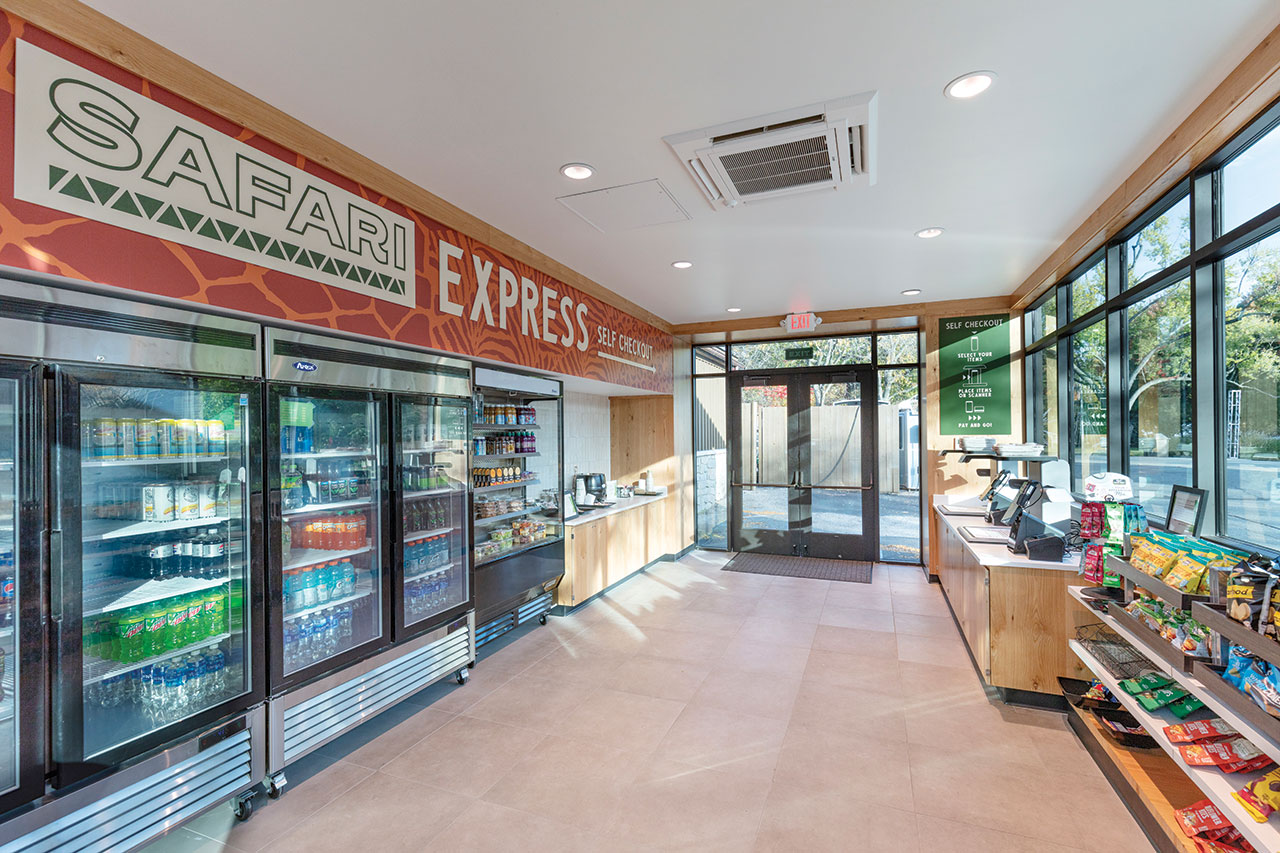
471	665
462	676
542	620
243	807
275	786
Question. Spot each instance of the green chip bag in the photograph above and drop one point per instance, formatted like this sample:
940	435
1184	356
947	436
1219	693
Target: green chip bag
1159	698
1182	708
1145	682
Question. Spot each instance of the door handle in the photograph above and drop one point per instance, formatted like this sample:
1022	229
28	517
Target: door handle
769	485
866	488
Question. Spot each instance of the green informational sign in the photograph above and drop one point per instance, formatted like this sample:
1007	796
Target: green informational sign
973	356
799	353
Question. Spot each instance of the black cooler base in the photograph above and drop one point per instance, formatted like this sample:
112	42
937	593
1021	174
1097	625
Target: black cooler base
514	590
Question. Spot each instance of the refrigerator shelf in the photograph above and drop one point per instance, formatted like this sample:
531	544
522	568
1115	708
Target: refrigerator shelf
526	511
363	592
99	532
516	485
501	427
427	534
453	446
149	591
438	570
96	669
310	556
518	550
151	460
310	509
426	493
484	456
328	454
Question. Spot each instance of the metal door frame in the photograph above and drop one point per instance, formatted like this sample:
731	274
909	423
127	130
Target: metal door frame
798	539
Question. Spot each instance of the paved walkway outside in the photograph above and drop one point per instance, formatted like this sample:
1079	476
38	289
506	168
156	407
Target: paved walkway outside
693	709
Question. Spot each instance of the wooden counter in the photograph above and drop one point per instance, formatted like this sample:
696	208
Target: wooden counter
601	550
1014	613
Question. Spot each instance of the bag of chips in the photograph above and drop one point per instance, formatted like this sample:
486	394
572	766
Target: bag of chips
1248	591
1201	817
1231	751
1261	797
1157	699
1184	708
1200	731
1146	681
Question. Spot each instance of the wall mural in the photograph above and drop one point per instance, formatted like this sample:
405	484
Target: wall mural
182	186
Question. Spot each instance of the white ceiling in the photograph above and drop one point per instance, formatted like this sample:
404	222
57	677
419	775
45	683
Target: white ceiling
482	102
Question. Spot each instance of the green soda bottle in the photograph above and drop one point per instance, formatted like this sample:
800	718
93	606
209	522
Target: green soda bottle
155	622
215	611
195	625
130	625
176	623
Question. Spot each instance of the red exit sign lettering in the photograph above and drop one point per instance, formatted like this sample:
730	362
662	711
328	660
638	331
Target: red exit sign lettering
801	322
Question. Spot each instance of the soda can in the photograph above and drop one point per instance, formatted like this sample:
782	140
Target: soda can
217	437
128	431
182	439
106	438
147	438
187	498
201	445
208	499
157	502
164	431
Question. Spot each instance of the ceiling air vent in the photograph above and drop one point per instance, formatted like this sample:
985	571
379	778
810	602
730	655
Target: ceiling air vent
817	147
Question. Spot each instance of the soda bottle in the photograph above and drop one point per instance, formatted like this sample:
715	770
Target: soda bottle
195	625
215	610
176	623
129	624
215	555
155	622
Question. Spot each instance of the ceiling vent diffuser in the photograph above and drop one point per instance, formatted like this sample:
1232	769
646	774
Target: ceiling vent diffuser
818	147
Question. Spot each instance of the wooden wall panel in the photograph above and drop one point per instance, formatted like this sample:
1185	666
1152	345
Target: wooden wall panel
642	438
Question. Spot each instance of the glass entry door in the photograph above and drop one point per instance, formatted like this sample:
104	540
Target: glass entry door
803	464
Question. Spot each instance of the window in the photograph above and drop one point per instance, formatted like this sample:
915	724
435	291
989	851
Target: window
1043	319
1089	290
1251	432
1251	181
1159	395
1043	395
1160	245
709	359
901	348
802	352
898	419
1087	393
711	463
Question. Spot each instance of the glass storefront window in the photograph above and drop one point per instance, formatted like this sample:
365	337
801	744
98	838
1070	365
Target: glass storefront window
1043	394
898	419
711	463
709	359
1087	391
898	348
1251	432
1161	244
1043	319
1251	181
1159	395
1089	290
802	352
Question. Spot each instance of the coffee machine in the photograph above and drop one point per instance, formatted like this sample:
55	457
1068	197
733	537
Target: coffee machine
593	485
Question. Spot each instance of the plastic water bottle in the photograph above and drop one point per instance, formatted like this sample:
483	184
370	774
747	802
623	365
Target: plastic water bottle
174	689
344	626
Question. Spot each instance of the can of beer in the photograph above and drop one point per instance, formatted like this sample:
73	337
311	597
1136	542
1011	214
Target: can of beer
183	437
157	502
217	438
128	428
106	438
201	445
187	498
86	438
164	432
147	440
208	499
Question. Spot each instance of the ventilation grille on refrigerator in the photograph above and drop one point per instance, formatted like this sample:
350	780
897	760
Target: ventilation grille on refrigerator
318	720
816	147
529	610
144	810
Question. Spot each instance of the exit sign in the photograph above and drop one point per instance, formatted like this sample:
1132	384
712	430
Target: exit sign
801	322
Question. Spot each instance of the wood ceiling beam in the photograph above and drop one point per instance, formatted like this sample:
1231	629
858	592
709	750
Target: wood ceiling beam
957	307
108	39
1250	87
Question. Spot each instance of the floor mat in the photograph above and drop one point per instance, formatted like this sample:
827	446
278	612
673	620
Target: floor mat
849	571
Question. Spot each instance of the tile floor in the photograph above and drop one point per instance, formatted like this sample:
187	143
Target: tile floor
694	709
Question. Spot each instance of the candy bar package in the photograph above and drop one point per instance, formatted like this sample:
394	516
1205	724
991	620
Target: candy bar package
1261	797
1232	751
1200	731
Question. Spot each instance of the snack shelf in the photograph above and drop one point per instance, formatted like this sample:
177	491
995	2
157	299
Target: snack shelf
518	550
516	485
1215	618
1263	729
152	460
1220	701
96	669
502	427
1152	644
310	556
484	457
99	531
1215	784
1136	577
149	591
1148	781
506	515
310	509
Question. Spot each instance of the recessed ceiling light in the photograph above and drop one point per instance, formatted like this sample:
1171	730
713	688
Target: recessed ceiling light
577	171
733	310
911	291
681	265
970	85
930	233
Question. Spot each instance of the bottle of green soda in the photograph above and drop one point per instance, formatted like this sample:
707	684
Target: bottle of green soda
155	629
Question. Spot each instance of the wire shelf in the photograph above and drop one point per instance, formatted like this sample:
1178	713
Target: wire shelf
1112	651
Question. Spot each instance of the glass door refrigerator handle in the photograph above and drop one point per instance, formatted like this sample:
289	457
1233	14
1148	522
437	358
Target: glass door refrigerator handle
55	576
